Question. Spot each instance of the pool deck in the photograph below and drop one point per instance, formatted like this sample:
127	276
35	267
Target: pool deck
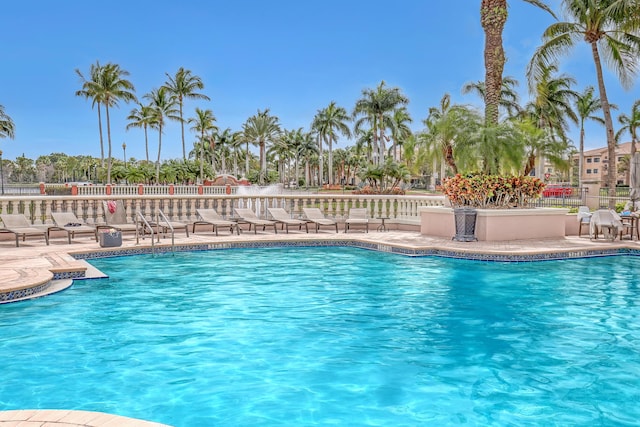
35	263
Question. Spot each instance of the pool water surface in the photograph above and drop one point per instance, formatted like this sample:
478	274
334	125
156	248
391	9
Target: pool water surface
333	336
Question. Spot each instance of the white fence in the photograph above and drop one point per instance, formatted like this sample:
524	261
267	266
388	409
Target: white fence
179	207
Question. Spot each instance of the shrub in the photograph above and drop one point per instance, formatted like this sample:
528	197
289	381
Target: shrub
492	191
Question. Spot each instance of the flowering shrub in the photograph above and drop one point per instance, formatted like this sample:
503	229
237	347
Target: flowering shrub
368	190
492	191
110	231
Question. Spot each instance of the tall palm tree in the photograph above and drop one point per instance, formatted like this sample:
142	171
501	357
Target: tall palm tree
587	105
91	89
203	123
142	117
330	122
110	88
184	85
7	127
610	28
261	129
164	106
630	124
375	108
493	17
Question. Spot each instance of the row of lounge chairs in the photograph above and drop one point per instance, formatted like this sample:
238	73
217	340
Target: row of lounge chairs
115	218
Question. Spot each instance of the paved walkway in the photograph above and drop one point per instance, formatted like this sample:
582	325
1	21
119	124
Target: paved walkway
33	262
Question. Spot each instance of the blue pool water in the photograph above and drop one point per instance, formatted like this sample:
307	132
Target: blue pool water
333	336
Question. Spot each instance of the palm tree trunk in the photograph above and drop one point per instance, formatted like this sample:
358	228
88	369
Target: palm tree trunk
184	150
159	149
330	161
246	170
321	172
106	109
146	143
101	139
608	124
581	156
493	16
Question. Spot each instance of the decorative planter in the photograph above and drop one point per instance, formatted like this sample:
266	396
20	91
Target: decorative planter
110	239
498	224
465	220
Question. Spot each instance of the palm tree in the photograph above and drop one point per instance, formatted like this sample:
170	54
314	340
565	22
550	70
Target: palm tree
587	105
493	16
91	89
184	85
509	102
449	126
610	28
329	122
142	117
164	106
630	124
307	149
7	127
375	107
400	130
261	129
203	123
113	87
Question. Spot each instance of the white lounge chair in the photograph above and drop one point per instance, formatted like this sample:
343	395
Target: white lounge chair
69	222
248	216
316	216
213	218
357	216
19	225
282	216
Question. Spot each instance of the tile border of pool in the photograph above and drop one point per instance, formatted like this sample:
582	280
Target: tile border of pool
379	247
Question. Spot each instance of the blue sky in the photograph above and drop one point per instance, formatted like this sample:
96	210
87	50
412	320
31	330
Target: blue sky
292	56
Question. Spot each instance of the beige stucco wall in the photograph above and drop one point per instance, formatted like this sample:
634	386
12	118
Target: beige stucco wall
498	224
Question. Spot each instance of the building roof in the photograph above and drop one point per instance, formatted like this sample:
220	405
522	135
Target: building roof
624	148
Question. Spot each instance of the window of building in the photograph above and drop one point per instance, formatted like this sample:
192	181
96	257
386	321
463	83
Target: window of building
596	160
589	159
588	170
595	171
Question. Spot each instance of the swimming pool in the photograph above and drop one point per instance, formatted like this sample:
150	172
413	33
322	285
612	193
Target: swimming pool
344	336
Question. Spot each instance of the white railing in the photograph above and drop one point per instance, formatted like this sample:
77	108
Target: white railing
182	207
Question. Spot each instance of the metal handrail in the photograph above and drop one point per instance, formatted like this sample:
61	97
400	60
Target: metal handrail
168	223
146	223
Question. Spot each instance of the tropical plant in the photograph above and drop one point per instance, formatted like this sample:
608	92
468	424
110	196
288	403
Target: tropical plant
143	117
375	108
610	28
492	191
509	100
91	90
329	122
493	17
184	85
108	86
203	123
630	124
261	129
586	107
164	106
7	127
